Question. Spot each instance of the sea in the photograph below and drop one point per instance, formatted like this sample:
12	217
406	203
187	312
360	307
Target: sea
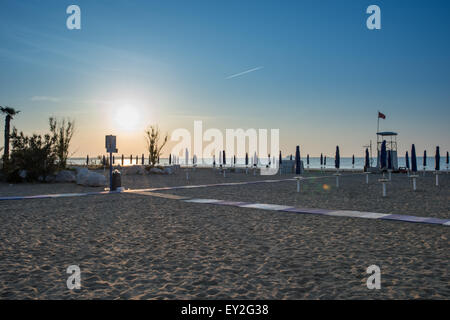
314	162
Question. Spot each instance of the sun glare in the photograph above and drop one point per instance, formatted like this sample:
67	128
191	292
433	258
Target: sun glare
127	117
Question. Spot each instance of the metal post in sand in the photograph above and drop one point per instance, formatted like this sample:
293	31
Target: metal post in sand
383	181
367	177
298	183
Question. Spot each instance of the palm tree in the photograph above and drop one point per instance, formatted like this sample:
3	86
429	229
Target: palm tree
10	113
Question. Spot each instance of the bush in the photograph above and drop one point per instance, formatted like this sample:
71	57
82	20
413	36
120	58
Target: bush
34	155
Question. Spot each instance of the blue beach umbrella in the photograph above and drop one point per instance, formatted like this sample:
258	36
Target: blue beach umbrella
337	159
297	160
424	158
383	155
321	159
367	162
307	159
413	159
389	160
407	160
325	161
437	160
353	160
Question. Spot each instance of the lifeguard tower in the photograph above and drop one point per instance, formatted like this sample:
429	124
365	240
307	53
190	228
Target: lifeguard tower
391	145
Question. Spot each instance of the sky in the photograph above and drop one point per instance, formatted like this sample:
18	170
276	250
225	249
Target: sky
311	69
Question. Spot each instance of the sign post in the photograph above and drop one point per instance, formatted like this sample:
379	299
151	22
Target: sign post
110	144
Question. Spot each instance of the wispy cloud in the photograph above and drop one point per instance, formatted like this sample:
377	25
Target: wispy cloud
45	98
244	72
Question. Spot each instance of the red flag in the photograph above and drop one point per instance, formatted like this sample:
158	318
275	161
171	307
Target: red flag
381	115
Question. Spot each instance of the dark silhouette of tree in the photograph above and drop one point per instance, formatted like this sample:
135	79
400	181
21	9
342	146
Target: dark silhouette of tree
9	115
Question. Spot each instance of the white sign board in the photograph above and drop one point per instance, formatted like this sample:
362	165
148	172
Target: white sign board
110	144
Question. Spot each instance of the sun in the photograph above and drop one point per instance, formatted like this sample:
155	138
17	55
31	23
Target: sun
127	117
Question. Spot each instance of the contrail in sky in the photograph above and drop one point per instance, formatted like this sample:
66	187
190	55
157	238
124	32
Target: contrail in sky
244	72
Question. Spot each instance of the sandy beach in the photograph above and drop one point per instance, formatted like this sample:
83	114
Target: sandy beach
136	246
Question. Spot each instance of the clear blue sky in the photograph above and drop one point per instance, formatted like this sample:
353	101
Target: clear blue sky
321	77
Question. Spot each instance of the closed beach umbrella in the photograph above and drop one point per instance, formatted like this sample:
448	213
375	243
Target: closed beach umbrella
367	162
255	160
224	159
131	159
214	160
123	159
186	157
437	160
407	160
389	160
290	157
297	160
268	158
142	160
325	161
413	159
307	159
170	159
353	160
383	155
234	160
137	159
280	159
246	158
321	159
87	159
447	158
337	159
424	158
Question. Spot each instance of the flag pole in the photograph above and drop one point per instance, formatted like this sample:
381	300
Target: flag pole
378	121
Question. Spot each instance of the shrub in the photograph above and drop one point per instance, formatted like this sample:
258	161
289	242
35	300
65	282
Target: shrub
62	132
35	154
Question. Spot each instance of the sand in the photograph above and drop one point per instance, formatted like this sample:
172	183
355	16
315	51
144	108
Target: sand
132	246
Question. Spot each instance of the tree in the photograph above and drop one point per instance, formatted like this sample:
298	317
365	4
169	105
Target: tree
153	136
62	132
10	113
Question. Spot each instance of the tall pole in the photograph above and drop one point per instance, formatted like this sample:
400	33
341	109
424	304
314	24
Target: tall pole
110	171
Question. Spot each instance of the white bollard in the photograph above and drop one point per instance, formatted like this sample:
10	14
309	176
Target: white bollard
298	183
337	179
383	181
414	183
